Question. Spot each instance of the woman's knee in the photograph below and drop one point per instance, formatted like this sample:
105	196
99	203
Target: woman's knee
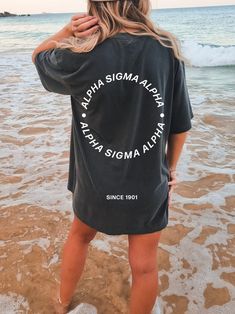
142	266
142	253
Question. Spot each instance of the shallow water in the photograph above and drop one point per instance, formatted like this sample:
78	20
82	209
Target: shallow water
196	258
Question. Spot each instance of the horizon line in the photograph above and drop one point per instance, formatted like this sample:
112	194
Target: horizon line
162	8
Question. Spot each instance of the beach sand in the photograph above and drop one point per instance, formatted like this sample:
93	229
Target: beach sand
196	251
195	271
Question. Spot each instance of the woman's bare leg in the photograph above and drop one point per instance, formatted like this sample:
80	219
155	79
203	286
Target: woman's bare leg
74	257
143	262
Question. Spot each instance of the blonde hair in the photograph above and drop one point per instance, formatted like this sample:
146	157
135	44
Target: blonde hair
122	15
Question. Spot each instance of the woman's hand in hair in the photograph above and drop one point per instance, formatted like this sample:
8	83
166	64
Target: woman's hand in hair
83	25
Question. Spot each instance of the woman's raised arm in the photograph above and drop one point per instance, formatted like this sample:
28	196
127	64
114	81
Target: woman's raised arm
81	25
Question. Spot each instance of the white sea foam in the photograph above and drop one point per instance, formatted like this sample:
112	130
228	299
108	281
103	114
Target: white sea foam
43	243
84	308
13	303
203	55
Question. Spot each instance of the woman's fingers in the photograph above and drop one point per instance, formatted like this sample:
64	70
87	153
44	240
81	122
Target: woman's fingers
78	15
169	200
84	26
82	20
170	190
87	32
172	183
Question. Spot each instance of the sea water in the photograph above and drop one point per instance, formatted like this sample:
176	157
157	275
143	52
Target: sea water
35	130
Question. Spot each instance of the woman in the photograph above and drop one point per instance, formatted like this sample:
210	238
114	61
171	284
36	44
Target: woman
131	114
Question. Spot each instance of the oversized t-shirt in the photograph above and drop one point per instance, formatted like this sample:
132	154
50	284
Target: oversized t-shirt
127	95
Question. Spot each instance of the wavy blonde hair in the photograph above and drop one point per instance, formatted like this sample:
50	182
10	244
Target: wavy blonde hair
122	15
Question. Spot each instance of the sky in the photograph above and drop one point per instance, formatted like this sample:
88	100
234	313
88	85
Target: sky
56	6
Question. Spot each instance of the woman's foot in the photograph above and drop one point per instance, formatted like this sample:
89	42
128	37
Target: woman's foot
59	307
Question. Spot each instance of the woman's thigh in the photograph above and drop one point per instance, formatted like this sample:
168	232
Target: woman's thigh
142	251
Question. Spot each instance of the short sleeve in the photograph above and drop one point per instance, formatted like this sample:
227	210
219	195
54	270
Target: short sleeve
182	112
51	71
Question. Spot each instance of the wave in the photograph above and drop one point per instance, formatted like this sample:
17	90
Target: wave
200	55
207	55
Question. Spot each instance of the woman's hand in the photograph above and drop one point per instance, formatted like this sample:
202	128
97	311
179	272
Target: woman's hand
83	25
173	181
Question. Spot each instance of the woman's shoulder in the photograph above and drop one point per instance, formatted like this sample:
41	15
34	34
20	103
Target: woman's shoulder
69	59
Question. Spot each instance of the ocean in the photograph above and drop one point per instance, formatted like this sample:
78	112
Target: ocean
34	153
206	33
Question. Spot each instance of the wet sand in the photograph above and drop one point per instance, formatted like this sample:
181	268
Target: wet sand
196	251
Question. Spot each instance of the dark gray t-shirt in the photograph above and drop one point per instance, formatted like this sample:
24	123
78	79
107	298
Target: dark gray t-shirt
127	95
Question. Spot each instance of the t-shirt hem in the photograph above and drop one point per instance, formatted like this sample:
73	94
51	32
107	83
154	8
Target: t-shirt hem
120	232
